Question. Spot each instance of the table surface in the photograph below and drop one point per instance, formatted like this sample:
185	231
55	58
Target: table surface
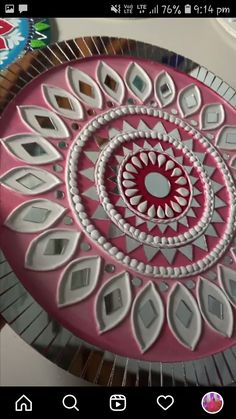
202	40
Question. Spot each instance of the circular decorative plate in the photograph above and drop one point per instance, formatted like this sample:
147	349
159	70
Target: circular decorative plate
17	35
118	208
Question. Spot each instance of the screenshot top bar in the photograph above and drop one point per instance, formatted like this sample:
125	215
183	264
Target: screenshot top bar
112	9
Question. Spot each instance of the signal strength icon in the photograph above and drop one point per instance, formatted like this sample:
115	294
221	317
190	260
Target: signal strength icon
154	11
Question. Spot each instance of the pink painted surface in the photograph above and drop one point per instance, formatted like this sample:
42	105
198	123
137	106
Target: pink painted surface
80	318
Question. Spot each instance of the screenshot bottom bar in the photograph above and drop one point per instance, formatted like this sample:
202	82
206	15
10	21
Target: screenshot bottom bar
123	402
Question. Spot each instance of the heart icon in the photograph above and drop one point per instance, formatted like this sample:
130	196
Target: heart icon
165	402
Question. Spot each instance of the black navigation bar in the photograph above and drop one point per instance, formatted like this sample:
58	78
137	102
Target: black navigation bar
83	402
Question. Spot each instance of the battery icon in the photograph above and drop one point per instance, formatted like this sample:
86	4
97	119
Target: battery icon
187	9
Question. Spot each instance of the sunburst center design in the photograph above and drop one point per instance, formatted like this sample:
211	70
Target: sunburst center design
154	185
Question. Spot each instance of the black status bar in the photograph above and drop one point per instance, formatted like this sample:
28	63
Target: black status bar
114	9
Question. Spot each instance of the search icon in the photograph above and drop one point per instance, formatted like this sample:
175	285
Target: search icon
70	402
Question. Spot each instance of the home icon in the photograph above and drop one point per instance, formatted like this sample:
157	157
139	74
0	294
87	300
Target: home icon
23	404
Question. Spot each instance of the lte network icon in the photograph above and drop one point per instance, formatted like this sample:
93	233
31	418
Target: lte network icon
117	402
9	8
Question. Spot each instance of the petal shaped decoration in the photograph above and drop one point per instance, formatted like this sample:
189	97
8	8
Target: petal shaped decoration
43	121
228	281
138	81
111	83
62	102
113	302
189	100
164	89
33	216
226	139
31	149
78	280
184	317
212	116
84	87
51	249
29	181
215	307
233	163
233	251
147	317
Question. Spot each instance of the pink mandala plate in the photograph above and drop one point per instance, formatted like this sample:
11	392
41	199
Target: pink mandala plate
118	212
